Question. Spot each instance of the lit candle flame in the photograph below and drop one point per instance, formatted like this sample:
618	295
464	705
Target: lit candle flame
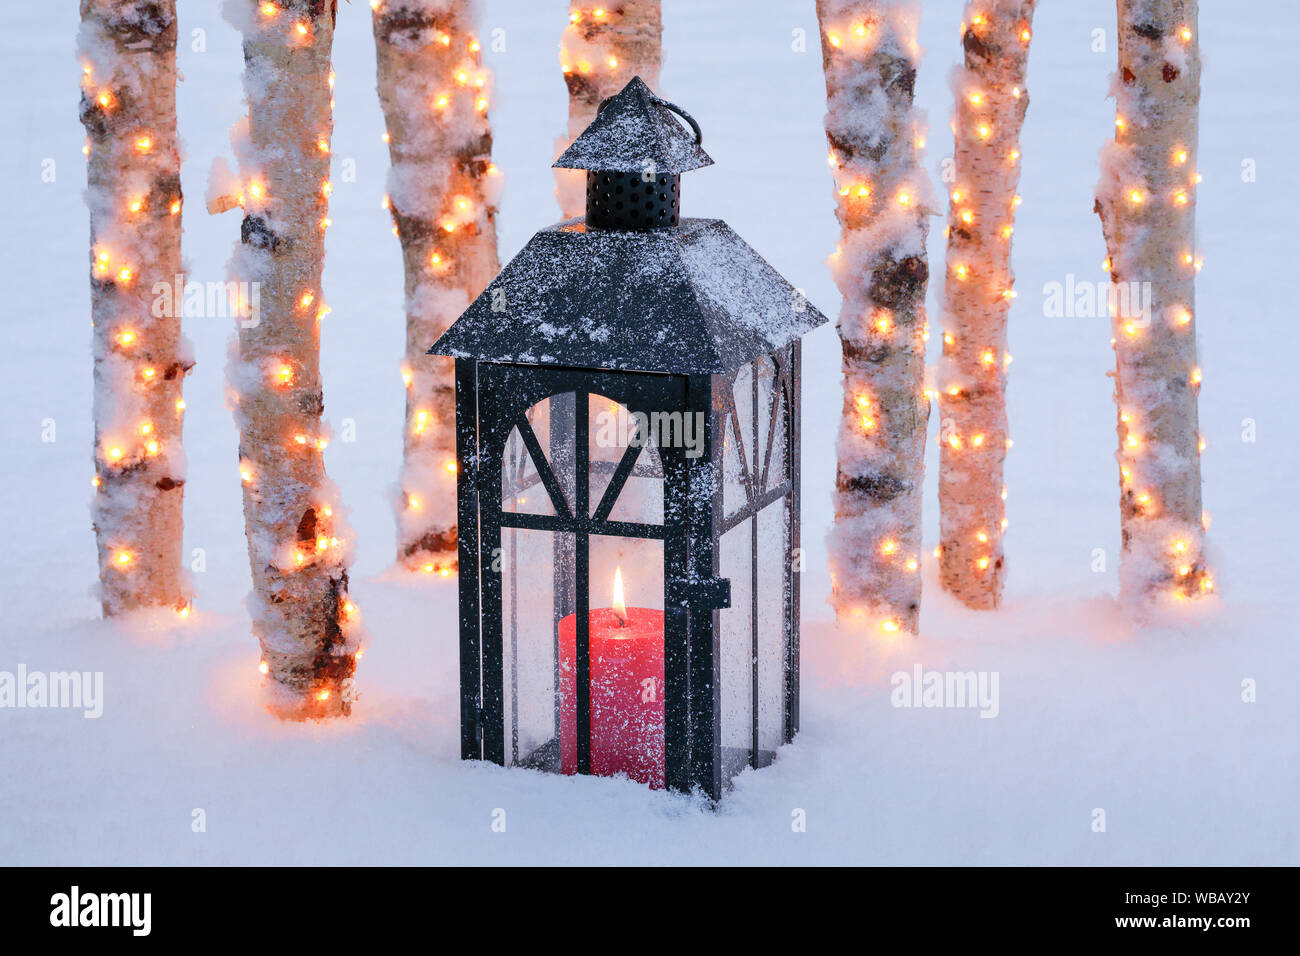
620	608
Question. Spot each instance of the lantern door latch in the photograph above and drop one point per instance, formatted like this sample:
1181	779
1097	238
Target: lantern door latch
707	594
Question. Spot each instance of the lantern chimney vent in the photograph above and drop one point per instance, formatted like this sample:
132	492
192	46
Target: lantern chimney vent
634	153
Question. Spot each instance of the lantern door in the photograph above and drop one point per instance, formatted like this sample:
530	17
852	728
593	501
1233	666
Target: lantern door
583	631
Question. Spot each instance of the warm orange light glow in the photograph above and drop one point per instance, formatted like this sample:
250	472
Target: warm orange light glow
620	608
263	667
888	546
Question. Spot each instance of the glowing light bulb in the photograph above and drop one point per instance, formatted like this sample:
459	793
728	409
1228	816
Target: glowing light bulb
452	467
889	625
126	338
889	546
122	558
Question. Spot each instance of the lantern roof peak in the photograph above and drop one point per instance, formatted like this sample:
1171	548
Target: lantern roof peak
635	131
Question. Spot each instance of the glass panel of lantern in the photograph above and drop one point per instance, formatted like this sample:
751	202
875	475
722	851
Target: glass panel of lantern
540	597
752	415
534	591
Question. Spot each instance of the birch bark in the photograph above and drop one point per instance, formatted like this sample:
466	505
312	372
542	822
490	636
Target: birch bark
1147	201
298	545
128	107
991	100
604	46
443	191
870	55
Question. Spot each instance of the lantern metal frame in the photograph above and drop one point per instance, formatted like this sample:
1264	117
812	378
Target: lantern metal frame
661	315
494	398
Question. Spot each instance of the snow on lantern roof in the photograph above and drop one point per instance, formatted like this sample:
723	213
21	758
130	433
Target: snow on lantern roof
635	130
691	300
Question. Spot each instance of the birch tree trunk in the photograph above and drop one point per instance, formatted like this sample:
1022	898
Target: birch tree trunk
604	46
128	107
1146	201
991	101
443	191
870	54
297	544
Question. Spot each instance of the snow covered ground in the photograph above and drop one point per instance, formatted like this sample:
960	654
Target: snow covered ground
1148	725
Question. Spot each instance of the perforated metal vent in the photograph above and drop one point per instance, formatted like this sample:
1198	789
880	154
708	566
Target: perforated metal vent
630	201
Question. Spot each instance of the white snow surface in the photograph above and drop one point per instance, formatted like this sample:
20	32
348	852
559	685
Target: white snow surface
1147	724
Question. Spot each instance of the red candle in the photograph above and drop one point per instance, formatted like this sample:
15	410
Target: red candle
627	677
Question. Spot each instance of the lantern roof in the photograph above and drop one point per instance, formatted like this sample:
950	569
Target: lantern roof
635	130
696	299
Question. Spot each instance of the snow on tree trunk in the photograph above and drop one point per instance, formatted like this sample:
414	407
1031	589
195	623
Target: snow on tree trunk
298	545
443	191
603	47
1146	200
870	54
128	106
991	101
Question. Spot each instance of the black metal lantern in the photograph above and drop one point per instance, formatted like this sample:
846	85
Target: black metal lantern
627	415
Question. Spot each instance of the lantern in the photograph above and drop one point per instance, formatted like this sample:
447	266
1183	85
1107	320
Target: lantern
627	421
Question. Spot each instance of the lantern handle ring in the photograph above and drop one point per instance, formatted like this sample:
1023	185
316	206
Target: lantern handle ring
695	127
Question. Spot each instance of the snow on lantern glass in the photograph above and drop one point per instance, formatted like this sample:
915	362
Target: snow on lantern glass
627	416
